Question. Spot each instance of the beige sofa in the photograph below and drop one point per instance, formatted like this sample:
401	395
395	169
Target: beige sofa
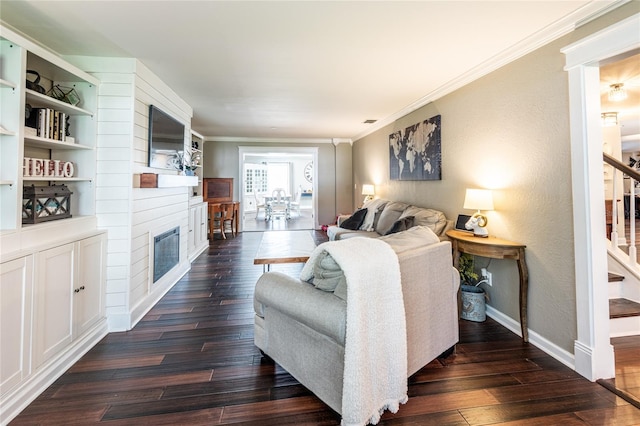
302	327
382	215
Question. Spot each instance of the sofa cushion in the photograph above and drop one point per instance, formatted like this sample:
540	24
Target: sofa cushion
389	215
374	208
327	274
400	225
418	236
343	234
433	219
355	220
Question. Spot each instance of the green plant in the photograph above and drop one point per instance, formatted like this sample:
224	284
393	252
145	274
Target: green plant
187	160
466	269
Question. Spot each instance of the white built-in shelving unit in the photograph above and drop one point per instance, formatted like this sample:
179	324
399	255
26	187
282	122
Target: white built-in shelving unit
52	273
197	140
19	55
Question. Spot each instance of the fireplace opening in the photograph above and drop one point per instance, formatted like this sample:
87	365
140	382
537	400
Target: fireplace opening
166	252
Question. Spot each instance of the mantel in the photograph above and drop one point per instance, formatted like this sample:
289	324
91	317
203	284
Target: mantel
154	180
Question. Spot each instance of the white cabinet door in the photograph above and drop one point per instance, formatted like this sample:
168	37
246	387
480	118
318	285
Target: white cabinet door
198	230
16	286
53	296
203	217
191	240
88	303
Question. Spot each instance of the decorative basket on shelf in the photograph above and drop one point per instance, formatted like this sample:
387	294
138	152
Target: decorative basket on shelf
45	203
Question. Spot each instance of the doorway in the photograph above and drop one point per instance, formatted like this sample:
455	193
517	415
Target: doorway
593	352
265	169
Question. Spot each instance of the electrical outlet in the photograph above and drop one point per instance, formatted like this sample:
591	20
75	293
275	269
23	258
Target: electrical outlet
486	275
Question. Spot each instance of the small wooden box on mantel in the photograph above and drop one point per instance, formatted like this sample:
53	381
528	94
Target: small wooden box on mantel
148	180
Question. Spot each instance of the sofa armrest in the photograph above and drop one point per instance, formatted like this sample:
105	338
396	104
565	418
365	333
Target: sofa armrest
443	235
301	301
341	218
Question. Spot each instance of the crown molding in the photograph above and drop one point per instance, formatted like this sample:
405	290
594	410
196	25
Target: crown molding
552	32
243	139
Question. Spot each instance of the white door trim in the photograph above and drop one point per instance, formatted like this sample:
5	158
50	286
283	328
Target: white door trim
313	151
594	358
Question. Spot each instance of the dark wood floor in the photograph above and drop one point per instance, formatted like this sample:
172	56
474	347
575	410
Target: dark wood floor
192	361
627	380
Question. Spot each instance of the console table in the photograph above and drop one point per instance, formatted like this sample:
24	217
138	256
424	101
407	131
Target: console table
495	248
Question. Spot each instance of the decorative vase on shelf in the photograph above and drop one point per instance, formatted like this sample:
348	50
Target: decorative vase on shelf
189	172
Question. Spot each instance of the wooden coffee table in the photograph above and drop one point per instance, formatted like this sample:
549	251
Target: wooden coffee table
284	247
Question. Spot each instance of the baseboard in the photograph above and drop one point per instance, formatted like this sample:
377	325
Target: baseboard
19	398
198	251
535	339
159	290
120	321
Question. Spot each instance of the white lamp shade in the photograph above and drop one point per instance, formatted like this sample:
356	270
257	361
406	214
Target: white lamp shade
478	199
368	190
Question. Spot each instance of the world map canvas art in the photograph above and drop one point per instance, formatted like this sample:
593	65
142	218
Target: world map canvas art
415	154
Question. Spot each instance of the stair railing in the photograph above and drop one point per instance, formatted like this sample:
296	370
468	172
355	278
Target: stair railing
634	175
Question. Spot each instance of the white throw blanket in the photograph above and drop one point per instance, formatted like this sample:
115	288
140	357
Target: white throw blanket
375	360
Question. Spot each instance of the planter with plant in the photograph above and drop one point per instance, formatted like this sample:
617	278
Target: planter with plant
187	162
473	296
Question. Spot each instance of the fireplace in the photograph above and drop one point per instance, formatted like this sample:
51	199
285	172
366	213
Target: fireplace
166	252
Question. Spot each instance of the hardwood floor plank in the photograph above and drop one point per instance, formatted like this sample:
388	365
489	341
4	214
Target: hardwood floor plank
511	411
184	404
428	387
442	403
137	383
63	417
448	418
191	361
626	415
270	409
543	390
205	417
477	369
87	364
566	419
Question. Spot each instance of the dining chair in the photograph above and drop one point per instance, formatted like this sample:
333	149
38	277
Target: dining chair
220	215
279	204
295	204
260	204
227	217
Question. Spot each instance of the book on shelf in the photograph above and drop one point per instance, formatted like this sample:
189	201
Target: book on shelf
51	124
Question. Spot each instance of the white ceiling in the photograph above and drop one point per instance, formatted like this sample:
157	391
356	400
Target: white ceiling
301	69
626	72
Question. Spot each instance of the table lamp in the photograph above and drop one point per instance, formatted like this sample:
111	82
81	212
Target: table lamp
478	199
368	191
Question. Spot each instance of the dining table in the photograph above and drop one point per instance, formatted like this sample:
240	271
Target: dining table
269	200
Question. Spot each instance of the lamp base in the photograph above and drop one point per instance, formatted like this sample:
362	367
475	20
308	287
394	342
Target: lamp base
483	233
477	223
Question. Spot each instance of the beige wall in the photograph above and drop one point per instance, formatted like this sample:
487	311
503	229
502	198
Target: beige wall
221	159
509	132
344	183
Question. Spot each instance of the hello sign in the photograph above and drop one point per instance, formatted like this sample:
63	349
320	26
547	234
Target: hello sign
38	167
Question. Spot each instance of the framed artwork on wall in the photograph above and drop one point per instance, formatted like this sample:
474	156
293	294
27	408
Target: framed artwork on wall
415	153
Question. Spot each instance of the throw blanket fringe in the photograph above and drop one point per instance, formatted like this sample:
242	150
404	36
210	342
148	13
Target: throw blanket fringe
375	361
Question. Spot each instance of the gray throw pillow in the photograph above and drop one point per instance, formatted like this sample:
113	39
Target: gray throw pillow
355	220
327	274
401	225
